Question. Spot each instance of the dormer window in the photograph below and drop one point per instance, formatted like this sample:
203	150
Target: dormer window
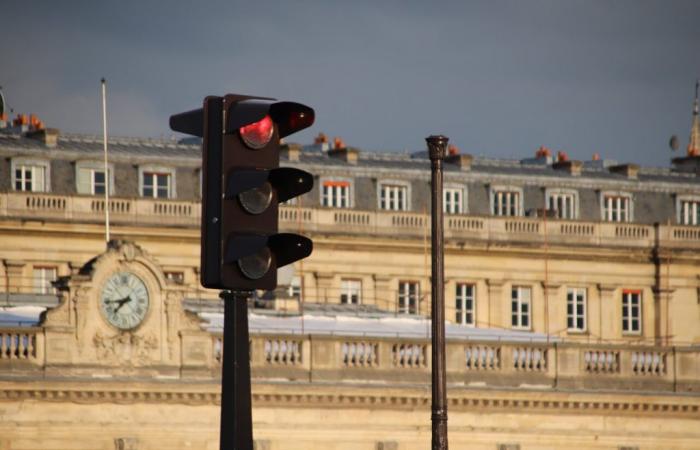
157	182
453	199
688	210
90	178
563	203
506	201
336	193
394	195
616	206
30	175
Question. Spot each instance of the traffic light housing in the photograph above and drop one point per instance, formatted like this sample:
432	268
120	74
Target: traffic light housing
242	185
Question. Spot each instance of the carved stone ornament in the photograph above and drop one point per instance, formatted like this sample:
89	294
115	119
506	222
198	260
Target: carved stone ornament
125	348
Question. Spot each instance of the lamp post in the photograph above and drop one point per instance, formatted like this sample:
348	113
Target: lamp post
437	148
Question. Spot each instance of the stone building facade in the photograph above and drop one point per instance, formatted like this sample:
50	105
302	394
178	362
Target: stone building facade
572	292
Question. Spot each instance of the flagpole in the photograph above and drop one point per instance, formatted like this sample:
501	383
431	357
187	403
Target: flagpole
104	143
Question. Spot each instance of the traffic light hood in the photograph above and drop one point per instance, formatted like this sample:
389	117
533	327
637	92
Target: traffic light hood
288	182
286	247
289	117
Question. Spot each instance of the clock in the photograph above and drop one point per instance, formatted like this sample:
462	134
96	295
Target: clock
124	301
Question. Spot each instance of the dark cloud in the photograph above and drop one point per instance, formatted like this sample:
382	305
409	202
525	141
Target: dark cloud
499	77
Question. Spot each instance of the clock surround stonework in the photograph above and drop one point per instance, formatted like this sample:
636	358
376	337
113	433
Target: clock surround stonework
80	341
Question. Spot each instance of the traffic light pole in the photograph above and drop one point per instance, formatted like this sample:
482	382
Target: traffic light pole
437	146
236	411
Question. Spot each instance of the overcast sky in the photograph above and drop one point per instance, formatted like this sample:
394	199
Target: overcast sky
499	78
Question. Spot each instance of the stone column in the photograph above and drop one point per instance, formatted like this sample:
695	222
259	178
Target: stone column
383	297
324	288
495	303
14	281
608	314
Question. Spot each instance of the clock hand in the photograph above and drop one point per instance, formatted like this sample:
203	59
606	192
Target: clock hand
122	302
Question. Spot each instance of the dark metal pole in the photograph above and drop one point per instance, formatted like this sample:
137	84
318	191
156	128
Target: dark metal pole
437	148
236	415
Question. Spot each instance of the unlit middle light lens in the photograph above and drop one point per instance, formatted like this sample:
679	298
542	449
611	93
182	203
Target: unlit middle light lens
256	200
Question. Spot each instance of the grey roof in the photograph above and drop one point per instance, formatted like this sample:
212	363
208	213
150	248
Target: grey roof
188	152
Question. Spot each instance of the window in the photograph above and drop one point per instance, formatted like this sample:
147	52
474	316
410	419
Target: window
29	177
464	304
393	197
452	200
409	294
617	207
631	311
564	203
576	309
520	307
157	181
336	194
156	185
688	211
294	288
506	201
175	276
90	178
351	292
42	278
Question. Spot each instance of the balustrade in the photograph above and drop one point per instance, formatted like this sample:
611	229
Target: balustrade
18	344
167	212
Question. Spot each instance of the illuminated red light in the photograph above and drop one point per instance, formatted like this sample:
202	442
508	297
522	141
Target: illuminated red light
257	135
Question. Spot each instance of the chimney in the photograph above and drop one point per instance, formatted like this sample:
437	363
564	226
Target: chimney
347	154
463	161
291	151
48	136
629	170
570	166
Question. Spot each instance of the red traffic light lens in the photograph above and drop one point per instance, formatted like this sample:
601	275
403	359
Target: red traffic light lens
257	135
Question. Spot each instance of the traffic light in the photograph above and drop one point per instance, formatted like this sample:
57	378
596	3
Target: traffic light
242	185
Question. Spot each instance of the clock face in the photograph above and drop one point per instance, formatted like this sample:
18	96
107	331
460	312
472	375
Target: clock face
124	301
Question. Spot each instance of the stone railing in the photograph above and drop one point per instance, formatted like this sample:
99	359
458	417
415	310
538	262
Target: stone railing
21	345
133	211
145	211
391	360
493	363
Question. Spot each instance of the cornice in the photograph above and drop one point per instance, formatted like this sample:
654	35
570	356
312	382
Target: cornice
375	397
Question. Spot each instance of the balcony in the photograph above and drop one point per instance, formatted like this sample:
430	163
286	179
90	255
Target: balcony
405	361
390	224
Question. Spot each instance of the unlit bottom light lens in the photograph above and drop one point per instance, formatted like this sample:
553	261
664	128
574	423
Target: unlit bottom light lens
256	266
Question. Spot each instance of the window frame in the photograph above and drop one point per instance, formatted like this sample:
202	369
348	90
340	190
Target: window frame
628	320
574	315
461	309
406	297
16	163
93	166
348	288
561	192
496	189
158	170
42	285
348	182
616	194
462	204
518	310
680	215
400	184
